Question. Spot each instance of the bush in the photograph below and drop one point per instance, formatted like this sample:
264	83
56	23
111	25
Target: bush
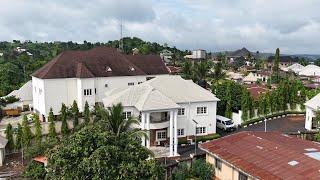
38	149
181	172
201	138
271	116
34	170
201	169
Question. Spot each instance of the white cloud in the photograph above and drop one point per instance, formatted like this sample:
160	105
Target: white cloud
291	25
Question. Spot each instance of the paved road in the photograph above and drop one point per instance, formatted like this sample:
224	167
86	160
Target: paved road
286	124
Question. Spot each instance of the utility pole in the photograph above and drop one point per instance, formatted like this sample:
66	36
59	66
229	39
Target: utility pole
195	137
121	38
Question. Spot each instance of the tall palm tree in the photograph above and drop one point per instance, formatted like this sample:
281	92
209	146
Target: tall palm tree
115	122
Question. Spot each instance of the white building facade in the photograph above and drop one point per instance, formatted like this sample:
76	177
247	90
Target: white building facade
87	80
199	54
311	107
168	107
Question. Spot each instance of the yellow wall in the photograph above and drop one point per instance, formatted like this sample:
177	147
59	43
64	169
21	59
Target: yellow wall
227	172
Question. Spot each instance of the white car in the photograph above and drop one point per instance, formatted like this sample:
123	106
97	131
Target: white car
225	123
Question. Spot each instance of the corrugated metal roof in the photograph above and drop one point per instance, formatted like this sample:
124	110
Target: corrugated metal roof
271	160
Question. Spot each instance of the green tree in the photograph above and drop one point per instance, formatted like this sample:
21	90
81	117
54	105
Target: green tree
276	66
245	104
9	136
64	123
75	114
115	122
261	105
86	114
26	132
38	128
94	153
52	135
201	169
202	70
187	70
181	172
19	136
317	118
228	112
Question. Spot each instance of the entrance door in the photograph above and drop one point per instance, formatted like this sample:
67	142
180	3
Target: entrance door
314	123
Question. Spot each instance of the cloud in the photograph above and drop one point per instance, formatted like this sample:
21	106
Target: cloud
291	25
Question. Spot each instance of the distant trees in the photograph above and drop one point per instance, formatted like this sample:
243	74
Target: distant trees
9	137
52	135
26	132
276	66
86	114
187	71
19	139
75	114
64	123
38	128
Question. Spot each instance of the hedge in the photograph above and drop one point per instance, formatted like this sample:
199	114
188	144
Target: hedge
271	116
200	138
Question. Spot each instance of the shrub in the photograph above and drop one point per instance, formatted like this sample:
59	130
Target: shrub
181	172
201	169
200	138
34	170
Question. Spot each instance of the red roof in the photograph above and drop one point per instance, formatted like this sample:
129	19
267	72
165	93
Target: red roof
41	159
96	61
256	90
174	69
265	155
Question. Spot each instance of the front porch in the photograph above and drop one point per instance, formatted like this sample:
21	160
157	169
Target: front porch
161	127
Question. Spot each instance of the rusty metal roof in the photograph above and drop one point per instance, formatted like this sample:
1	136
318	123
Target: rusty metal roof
267	155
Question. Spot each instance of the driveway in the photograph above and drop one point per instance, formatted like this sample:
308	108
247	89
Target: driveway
284	125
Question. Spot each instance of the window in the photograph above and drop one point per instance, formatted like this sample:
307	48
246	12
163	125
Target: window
126	114
200	130
95	90
201	110
130	84
242	176
218	163
180	132
180	111
140	82
106	85
161	135
87	92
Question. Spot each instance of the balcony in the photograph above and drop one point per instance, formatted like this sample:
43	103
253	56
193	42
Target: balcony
159	120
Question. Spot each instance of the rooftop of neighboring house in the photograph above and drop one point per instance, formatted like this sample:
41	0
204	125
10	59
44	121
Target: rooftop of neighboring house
256	90
268	155
162	92
100	62
313	103
174	69
24	93
284	59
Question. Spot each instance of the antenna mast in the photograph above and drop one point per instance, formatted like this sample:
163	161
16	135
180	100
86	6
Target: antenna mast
121	40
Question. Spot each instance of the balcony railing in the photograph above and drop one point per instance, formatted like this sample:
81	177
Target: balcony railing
159	120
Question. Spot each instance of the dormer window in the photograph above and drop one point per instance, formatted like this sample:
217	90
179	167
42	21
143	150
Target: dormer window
108	69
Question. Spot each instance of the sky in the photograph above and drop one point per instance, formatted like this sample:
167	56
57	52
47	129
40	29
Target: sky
213	25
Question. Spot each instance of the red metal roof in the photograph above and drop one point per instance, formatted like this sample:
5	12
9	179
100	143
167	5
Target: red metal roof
41	159
265	155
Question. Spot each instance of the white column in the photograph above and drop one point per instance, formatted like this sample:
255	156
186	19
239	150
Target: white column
171	134
175	132
148	129
143	121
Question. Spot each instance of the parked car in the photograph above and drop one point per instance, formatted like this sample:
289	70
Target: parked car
225	123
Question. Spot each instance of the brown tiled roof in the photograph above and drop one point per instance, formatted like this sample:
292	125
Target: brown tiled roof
96	61
265	155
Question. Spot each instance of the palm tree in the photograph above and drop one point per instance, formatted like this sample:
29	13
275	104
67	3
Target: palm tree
187	70
115	122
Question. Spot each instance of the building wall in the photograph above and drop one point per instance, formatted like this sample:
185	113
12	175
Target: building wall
49	93
226	172
309	115
185	122
208	120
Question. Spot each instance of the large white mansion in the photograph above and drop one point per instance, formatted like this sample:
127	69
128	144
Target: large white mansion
88	75
169	108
